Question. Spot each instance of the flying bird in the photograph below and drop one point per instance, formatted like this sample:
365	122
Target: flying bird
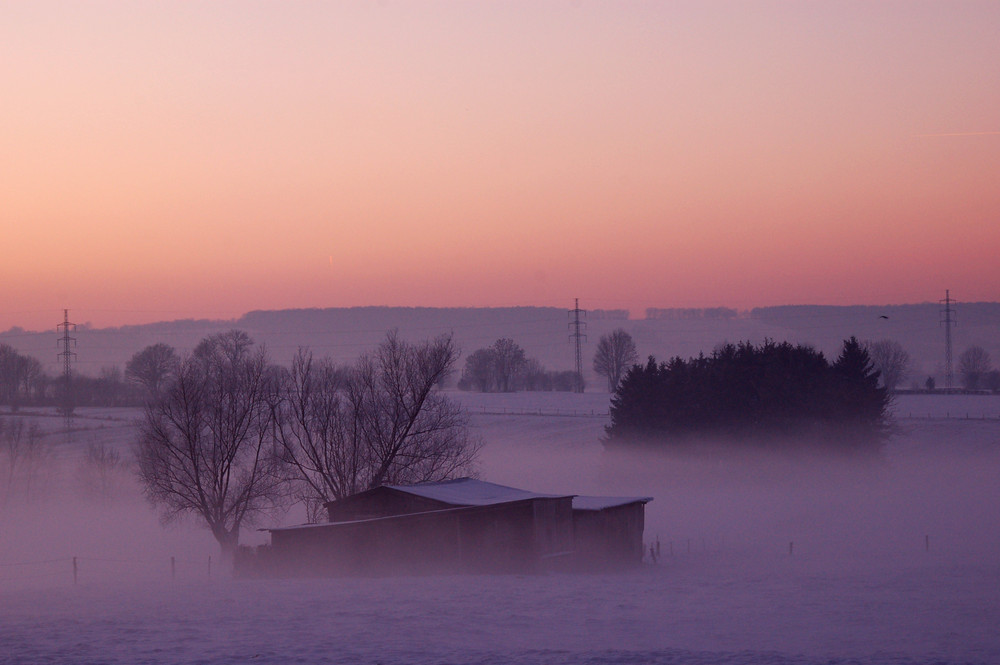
883	316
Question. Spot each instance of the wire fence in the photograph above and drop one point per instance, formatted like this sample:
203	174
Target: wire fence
86	569
597	413
538	411
967	415
73	571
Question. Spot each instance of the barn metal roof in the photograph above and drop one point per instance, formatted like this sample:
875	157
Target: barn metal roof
471	492
603	502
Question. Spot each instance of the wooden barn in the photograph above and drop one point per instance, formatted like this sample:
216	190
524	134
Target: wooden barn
463	525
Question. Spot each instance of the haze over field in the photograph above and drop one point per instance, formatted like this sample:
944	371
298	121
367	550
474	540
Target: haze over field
861	585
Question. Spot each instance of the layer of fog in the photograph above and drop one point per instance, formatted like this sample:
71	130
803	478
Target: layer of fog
896	552
933	483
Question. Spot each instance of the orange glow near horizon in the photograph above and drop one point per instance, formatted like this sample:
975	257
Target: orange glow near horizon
168	161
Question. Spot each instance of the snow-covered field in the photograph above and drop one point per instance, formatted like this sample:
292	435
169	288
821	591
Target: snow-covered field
764	559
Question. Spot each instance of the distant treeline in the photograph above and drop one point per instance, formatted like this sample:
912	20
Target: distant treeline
972	313
682	313
24	383
608	314
753	393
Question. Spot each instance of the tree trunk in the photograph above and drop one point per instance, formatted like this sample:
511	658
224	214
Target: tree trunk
229	540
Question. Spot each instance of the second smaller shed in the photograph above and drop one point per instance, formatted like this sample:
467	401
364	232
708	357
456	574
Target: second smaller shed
607	530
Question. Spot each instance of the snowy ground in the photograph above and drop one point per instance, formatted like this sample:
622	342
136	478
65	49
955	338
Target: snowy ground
764	559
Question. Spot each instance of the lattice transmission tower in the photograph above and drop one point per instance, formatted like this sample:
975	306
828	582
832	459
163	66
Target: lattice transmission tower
948	321
579	337
66	356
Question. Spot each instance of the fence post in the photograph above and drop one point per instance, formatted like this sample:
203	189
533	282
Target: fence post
74	571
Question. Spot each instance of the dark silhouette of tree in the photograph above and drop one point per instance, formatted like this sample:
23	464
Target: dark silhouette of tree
508	361
534	377
638	409
109	387
891	360
863	403
752	392
18	375
615	354
480	371
152	367
992	380
206	446
383	420
974	364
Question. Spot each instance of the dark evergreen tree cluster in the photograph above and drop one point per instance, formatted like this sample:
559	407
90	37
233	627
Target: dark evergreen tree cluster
753	393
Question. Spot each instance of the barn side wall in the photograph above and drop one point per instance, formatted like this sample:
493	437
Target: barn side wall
512	537
609	538
553	531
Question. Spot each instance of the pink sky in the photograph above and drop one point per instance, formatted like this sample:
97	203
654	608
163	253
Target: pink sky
171	160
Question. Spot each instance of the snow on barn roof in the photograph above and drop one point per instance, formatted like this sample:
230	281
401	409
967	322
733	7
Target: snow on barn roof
471	492
603	502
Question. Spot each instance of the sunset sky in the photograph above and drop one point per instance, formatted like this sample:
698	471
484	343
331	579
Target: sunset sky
165	160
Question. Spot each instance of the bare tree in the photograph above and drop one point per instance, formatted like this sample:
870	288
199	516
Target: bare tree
508	361
974	364
109	389
615	354
206	447
416	434
25	454
533	376
32	377
101	470
17	373
480	369
313	427
9	378
891	360
992	380
152	367
382	421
